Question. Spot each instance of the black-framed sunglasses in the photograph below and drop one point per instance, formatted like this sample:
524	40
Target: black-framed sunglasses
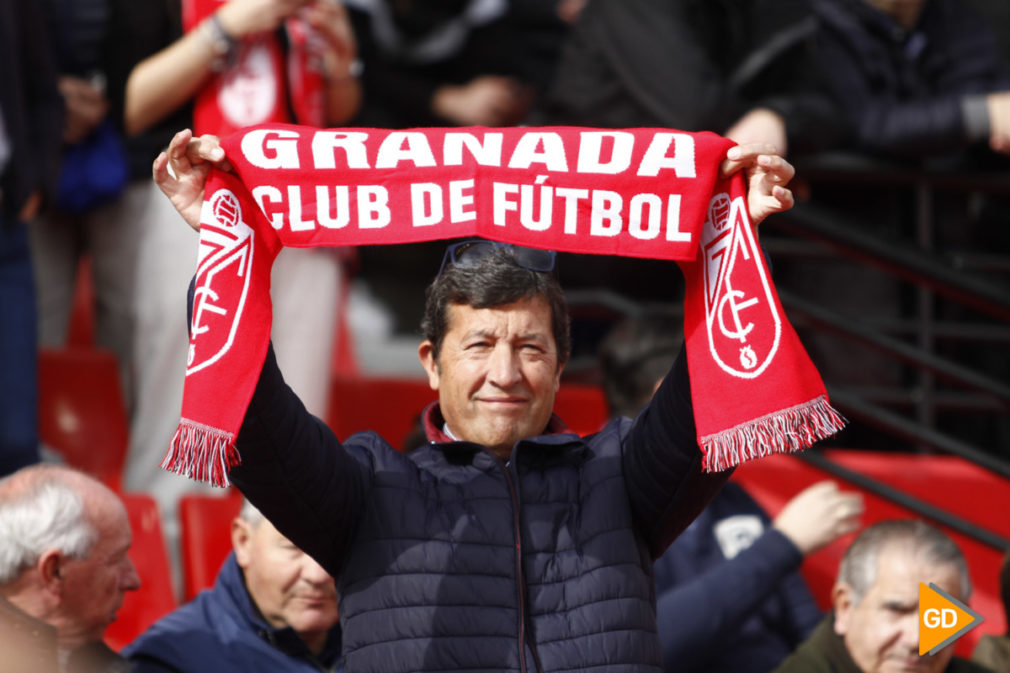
467	254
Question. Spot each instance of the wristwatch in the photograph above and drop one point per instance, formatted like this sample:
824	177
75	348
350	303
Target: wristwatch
221	42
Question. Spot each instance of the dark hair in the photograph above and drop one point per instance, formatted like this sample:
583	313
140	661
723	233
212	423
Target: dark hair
495	280
635	354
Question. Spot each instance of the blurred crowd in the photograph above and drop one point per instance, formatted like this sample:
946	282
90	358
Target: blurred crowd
92	90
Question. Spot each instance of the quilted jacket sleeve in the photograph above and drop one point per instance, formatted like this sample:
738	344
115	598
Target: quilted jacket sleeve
295	470
662	463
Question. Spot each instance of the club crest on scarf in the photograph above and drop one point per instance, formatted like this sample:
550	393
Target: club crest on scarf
223	269
743	328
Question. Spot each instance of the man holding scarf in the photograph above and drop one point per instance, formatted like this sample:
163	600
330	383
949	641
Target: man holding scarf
506	542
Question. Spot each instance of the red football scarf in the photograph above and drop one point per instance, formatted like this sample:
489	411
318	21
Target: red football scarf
638	193
258	84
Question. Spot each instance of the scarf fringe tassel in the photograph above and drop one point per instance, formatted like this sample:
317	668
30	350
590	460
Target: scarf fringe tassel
786	431
201	453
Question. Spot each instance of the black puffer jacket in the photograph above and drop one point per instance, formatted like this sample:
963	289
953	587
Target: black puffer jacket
910	94
450	559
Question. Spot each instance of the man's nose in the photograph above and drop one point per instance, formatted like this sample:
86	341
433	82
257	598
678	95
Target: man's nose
131	580
503	369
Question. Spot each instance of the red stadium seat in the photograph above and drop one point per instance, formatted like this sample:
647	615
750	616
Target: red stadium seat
81	411
155	598
205	537
582	407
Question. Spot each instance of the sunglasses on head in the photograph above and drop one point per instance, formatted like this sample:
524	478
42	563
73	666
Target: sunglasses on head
467	254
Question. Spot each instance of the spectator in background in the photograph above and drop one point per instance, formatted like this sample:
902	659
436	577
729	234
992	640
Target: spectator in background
729	593
448	63
272	608
740	69
919	84
453	62
874	627
30	122
64	538
914	79
993	651
89	214
232	66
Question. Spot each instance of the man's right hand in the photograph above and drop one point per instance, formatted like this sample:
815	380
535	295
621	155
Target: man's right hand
818	515
999	121
181	172
86	108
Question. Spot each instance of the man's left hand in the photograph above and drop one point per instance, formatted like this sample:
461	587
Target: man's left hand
181	172
767	175
329	18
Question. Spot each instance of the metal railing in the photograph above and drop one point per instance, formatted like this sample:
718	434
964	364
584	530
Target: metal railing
932	274
812	230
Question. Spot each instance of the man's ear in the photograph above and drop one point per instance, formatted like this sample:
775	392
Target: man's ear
426	354
51	570
843	601
241	541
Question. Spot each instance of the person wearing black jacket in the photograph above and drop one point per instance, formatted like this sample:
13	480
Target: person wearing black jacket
914	80
743	69
31	118
505	542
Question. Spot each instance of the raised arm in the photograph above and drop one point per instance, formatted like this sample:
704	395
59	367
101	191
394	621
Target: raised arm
308	484
662	459
163	82
697	613
662	463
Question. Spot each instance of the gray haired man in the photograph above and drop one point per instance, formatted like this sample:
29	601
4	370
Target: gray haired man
64	570
874	627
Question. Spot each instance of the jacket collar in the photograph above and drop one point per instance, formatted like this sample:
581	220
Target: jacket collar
434	423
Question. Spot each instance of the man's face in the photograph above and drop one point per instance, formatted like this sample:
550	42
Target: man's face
881	632
497	372
288	586
94	587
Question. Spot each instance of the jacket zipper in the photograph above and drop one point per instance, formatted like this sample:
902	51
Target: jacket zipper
519	568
